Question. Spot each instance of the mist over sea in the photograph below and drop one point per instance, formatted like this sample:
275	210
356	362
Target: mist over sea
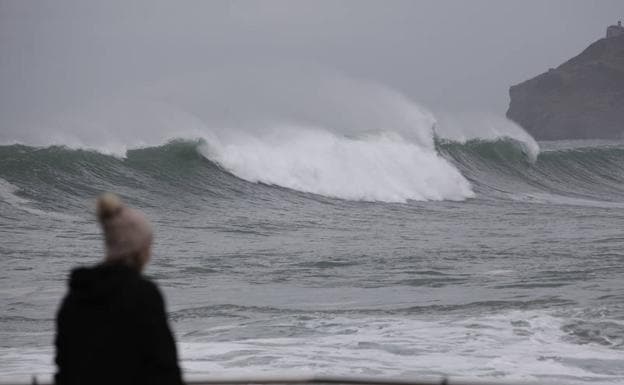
342	231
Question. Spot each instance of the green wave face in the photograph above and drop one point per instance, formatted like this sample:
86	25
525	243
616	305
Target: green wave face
504	168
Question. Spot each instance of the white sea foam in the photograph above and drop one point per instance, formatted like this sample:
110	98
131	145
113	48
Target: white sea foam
19	365
515	346
511	346
8	194
380	167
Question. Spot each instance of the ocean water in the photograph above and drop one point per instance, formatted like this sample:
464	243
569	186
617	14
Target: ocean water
306	251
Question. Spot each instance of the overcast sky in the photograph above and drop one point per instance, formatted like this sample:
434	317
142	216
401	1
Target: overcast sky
445	55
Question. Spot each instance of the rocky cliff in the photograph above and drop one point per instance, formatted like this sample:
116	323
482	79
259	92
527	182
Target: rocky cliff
583	98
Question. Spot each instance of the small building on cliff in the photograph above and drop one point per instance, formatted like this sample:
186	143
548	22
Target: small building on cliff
615	30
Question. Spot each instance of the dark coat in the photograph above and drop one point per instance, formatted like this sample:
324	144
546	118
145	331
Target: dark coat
112	329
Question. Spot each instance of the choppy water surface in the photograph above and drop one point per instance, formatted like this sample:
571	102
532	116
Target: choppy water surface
496	266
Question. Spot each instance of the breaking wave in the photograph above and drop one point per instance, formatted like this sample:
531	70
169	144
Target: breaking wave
319	133
373	168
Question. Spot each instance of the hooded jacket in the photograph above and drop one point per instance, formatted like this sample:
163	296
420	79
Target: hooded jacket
112	329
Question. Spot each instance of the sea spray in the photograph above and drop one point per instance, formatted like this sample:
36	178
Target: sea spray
463	127
310	130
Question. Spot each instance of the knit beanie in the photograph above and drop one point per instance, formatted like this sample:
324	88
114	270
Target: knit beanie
126	231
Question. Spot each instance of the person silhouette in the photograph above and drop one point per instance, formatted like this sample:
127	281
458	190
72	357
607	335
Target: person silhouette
112	326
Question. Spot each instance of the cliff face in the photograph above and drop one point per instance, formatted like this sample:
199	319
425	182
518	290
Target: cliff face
581	99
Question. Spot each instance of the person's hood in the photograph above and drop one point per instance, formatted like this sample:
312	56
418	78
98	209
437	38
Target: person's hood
101	281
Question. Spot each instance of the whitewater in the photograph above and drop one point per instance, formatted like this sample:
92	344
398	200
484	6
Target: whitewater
344	231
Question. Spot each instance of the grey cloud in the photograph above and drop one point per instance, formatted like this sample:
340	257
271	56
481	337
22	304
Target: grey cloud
447	55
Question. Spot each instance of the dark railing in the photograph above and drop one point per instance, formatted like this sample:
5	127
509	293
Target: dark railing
317	380
337	380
